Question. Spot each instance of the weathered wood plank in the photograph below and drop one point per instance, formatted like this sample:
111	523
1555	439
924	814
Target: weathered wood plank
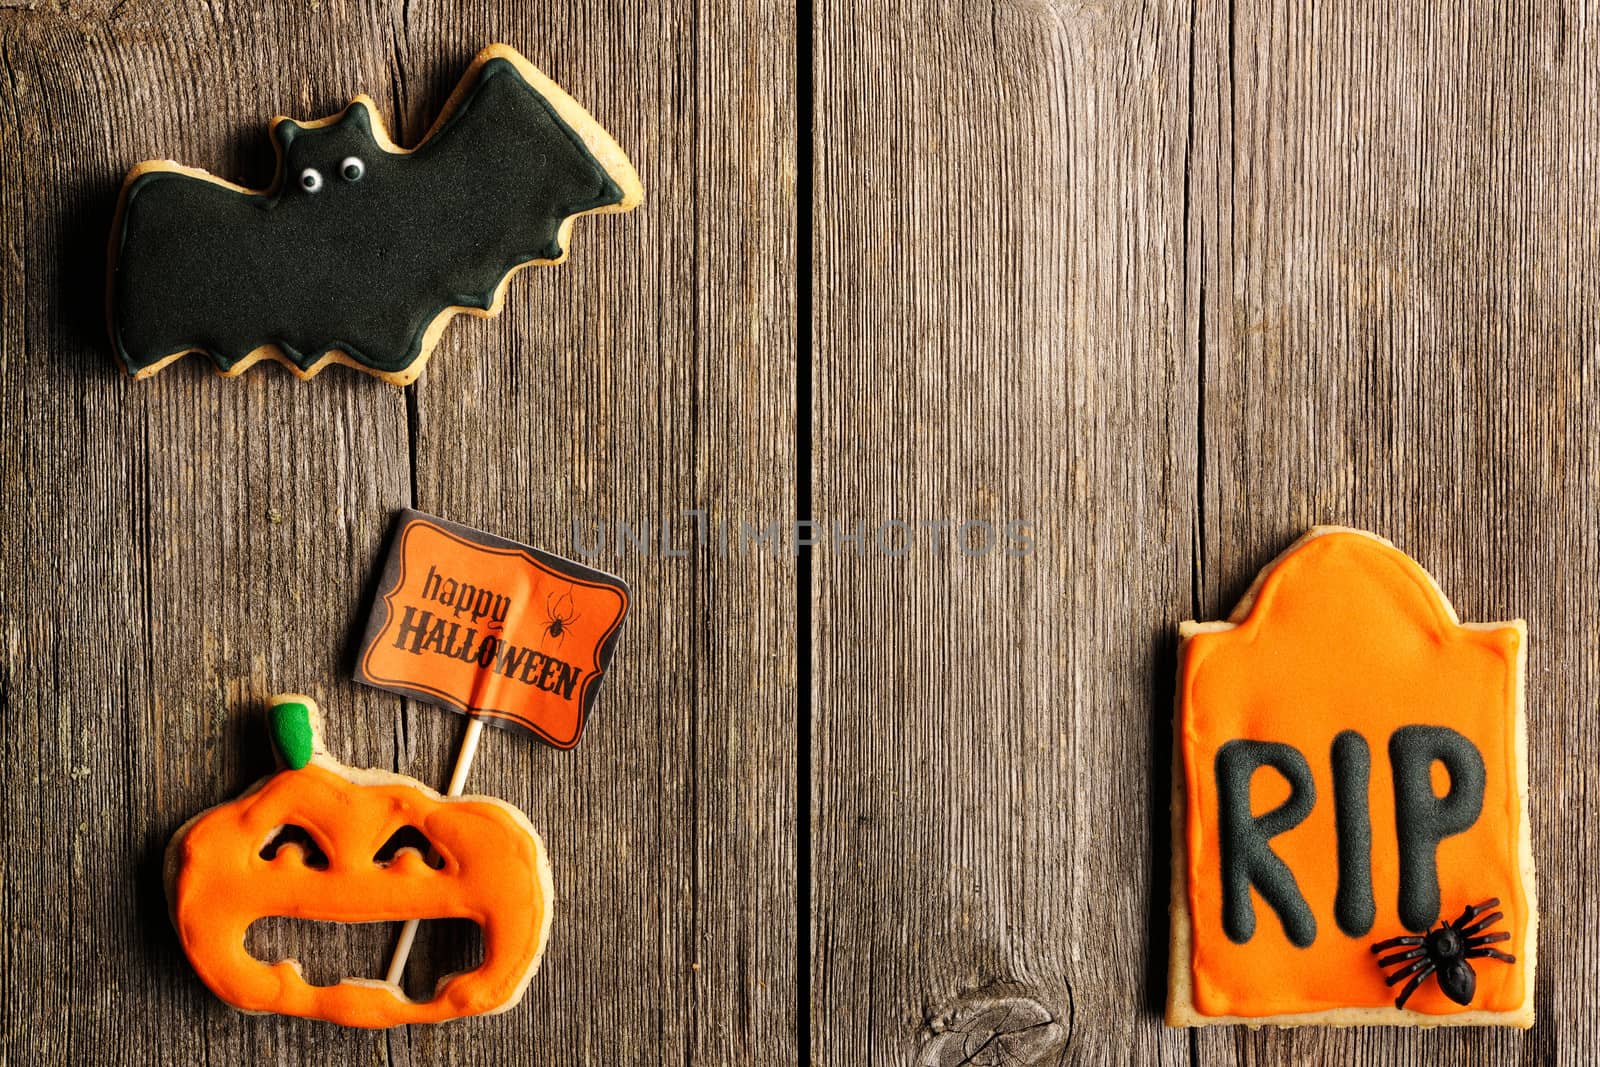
651	373
1398	335
180	548
1000	324
175	550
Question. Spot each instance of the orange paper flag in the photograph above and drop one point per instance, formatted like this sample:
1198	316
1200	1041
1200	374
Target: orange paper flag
491	628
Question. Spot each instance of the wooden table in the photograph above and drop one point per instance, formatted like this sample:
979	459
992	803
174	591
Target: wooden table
1168	283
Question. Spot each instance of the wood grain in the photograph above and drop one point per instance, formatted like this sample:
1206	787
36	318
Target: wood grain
1000	337
175	550
1387	242
1179	283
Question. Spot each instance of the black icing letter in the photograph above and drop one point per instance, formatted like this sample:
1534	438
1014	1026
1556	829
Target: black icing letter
1353	906
1247	858
1422	819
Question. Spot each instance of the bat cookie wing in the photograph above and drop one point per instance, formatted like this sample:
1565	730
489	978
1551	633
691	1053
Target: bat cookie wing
361	251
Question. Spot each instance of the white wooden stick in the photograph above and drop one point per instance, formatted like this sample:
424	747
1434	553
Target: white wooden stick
458	781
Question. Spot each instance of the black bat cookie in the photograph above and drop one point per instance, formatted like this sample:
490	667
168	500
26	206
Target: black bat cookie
361	251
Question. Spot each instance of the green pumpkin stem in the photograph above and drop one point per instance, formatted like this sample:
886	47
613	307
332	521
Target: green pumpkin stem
289	720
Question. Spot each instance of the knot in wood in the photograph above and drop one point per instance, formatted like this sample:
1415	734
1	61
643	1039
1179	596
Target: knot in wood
992	1032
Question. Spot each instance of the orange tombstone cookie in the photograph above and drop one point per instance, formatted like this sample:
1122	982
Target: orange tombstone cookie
1350	823
310	843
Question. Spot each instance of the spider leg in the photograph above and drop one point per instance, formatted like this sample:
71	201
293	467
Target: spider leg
1424	965
1385	946
1468	914
1411	986
1491	953
1487	939
1483	923
1400	956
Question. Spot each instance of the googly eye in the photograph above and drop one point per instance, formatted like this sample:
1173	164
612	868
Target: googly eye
352	169
310	180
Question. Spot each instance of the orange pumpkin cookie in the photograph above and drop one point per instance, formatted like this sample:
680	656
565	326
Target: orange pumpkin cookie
1350	840
309	843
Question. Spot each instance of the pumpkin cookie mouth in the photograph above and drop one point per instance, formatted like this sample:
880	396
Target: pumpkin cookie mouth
324	951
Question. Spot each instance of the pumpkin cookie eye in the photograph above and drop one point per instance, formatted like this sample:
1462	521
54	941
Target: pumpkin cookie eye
414	839
299	839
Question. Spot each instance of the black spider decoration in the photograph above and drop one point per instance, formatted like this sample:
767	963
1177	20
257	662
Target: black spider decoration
559	619
1446	950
